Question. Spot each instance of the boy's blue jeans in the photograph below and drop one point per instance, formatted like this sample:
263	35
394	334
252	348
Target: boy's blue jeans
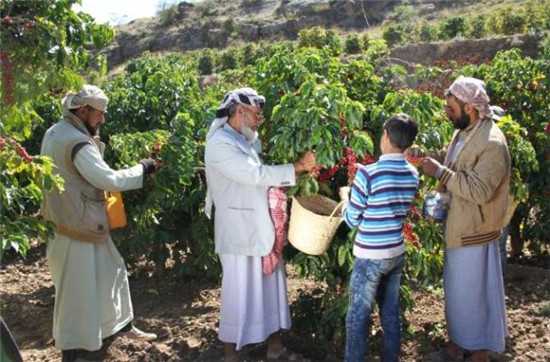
374	279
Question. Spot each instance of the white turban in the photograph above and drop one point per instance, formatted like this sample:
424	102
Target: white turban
89	95
472	91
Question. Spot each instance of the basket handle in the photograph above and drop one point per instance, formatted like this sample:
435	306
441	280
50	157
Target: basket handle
340	204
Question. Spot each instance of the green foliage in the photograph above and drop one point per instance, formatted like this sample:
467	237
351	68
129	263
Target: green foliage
46	47
428	32
320	38
314	117
228	60
353	44
394	35
22	180
477	27
151	93
434	132
206	64
524	160
453	27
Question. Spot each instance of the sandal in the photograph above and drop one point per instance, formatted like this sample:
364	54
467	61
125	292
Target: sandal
443	355
285	355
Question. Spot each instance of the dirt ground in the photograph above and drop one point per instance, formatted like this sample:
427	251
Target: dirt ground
184	313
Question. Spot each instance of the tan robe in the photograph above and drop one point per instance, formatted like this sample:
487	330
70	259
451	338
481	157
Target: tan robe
92	294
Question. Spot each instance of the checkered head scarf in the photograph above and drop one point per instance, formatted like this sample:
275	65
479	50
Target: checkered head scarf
472	91
245	96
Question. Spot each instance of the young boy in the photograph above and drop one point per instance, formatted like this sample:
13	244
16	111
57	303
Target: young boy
381	196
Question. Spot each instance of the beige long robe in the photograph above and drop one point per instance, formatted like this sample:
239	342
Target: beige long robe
92	294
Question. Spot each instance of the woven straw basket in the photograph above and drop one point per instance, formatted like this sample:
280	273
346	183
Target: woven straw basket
313	223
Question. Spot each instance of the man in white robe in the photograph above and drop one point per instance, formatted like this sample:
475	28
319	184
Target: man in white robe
254	305
92	295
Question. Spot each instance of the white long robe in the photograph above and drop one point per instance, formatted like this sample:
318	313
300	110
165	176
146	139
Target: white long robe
253	305
92	294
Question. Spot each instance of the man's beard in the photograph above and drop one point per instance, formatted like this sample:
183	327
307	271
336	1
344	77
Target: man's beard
249	133
93	131
462	122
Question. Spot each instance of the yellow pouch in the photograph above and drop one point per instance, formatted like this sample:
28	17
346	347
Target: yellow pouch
115	210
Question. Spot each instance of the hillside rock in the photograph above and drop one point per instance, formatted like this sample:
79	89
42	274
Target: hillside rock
217	23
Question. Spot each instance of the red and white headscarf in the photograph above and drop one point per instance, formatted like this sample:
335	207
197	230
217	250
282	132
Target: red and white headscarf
472	91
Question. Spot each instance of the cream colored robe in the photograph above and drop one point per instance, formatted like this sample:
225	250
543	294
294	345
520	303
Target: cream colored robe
92	294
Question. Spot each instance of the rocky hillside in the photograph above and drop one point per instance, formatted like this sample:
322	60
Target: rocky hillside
219	23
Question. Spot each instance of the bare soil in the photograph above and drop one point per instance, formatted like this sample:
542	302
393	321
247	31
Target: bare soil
184	313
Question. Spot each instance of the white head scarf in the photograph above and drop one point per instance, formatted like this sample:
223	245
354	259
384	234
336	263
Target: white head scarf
472	91
89	95
245	96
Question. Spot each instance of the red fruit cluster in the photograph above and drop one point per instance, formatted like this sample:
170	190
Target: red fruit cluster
547	128
416	161
368	159
7	78
22	152
327	174
410	236
349	161
7	20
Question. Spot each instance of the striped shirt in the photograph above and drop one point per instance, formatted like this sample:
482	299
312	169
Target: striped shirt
381	196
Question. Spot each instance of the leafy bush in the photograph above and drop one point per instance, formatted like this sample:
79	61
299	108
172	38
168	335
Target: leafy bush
477	27
228	60
428	32
453	27
318	37
394	35
353	44
206	64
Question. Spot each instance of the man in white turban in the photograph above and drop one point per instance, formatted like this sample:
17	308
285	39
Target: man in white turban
254	305
475	173
92	295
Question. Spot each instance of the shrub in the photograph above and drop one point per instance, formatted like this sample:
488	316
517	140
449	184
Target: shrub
428	32
477	27
206	64
353	44
453	27
394	35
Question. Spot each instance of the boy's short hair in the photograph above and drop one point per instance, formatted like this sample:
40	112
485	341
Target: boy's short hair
402	130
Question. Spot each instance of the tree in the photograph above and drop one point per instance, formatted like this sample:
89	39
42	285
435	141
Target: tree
46	46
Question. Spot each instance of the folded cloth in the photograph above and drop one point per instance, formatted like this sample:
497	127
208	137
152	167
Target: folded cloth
278	211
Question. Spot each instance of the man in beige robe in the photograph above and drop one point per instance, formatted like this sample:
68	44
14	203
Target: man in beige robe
92	295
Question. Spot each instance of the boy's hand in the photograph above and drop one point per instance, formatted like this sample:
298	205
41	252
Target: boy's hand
415	151
344	193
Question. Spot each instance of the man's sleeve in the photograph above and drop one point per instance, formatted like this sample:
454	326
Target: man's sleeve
478	185
240	167
90	165
358	200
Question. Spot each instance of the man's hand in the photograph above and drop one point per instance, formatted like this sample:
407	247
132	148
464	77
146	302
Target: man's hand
306	163
344	193
150	165
430	166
